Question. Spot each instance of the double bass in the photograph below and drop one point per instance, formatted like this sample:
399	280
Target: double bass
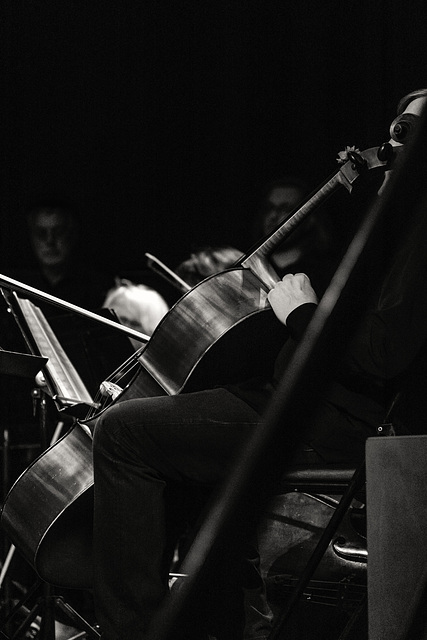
221	331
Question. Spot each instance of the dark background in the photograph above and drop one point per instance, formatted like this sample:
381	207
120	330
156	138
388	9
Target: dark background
162	119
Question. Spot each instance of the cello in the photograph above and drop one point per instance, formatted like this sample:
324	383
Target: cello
212	323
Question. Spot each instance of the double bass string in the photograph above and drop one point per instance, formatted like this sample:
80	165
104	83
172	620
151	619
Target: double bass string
110	389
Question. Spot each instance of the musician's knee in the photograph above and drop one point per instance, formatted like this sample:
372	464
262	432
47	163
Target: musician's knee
108	432
120	434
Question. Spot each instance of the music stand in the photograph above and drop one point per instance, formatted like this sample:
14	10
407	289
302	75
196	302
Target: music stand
28	366
23	365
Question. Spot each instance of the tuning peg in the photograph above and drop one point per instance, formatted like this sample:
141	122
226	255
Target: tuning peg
358	162
385	152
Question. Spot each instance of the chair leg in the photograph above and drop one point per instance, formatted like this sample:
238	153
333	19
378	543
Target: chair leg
355	484
359	614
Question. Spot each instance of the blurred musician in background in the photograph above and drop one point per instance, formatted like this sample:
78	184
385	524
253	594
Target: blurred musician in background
137	306
311	246
61	268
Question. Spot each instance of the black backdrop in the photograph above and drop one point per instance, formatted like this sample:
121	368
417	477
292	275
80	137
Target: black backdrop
161	119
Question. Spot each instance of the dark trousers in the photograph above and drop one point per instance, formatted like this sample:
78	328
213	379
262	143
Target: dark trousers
148	455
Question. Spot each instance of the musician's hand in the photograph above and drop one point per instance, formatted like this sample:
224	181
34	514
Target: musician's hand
289	293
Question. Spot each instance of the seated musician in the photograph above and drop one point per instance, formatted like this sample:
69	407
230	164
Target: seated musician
137	306
60	267
150	452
